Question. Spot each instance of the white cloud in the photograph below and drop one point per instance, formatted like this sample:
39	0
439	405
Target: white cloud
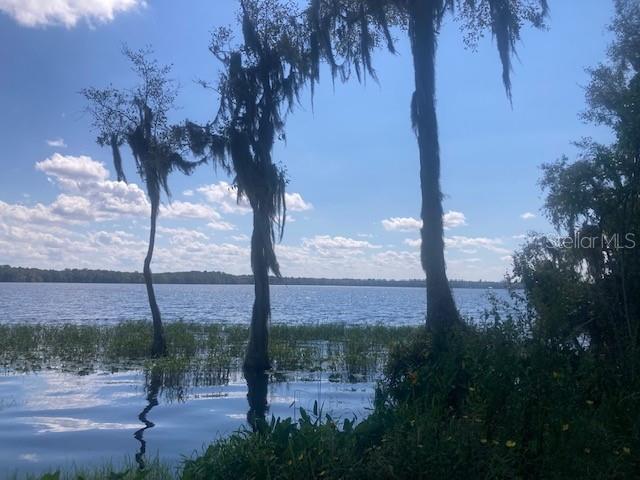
240	238
401	224
182	236
221	225
225	196
188	193
38	13
341	243
451	219
57	142
179	209
67	168
461	242
296	203
73	207
412	242
89	194
66	233
528	216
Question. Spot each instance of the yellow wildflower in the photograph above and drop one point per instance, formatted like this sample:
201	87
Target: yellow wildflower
565	427
626	450
510	443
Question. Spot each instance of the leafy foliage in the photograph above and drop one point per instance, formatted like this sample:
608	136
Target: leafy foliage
496	404
587	282
138	117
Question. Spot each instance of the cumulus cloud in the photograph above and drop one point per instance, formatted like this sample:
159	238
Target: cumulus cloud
221	225
451	219
182	235
57	142
469	245
67	13
94	222
412	242
323	242
88	195
71	171
462	242
401	224
189	210
528	216
296	203
225	196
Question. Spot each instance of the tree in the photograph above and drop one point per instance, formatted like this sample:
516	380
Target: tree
346	32
594	203
138	117
260	83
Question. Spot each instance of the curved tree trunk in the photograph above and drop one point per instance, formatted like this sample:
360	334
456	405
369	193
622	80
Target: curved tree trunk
158	348
257	356
441	309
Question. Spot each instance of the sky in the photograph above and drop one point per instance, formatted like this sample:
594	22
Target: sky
351	158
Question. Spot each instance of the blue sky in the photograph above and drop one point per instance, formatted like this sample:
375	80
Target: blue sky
352	160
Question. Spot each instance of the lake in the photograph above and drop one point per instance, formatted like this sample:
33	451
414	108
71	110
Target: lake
51	419
296	304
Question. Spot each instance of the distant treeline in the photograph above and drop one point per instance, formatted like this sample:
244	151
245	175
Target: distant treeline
20	274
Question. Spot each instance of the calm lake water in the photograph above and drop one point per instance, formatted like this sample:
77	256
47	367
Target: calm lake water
112	303
50	420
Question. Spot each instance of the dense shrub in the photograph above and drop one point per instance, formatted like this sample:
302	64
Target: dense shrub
492	404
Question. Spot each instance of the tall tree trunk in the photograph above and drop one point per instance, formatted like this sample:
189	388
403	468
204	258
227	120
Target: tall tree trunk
159	347
441	309
257	356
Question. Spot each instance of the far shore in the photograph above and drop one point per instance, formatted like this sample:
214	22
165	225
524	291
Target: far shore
10	274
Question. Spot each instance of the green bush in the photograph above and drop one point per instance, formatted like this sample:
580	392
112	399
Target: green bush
481	403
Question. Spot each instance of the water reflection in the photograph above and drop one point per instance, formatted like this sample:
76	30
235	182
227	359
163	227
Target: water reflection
45	424
257	385
153	388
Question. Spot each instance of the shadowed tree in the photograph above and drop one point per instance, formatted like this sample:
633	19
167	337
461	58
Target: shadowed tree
588	284
346	32
260	83
138	117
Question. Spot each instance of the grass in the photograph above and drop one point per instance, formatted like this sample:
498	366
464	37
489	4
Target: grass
491	403
198	353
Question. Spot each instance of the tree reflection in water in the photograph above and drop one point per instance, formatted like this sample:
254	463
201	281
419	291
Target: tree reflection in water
257	385
153	387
